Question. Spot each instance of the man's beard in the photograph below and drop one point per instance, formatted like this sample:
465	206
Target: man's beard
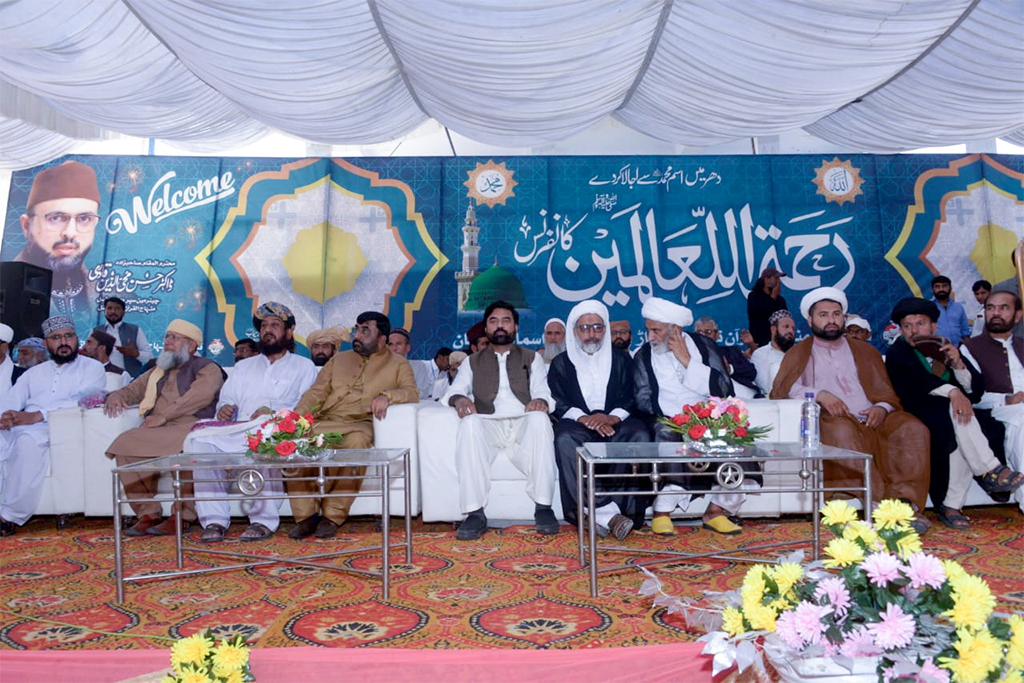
361	348
998	325
785	343
65	262
827	335
591	347
550	350
620	343
501	337
168	360
320	359
659	348
277	345
942	296
113	323
60	356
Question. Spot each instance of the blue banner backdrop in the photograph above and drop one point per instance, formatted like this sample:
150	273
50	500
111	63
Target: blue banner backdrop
431	241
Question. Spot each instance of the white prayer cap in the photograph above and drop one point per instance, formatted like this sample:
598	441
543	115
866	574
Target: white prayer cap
858	321
553	320
821	294
664	311
6	333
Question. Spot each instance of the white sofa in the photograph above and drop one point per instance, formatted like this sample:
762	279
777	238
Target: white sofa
508	501
80	480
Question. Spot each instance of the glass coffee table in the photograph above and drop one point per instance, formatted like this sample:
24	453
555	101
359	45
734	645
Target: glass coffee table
792	472
250	476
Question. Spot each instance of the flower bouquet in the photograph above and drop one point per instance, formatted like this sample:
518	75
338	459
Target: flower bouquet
877	602
199	658
286	435
716	425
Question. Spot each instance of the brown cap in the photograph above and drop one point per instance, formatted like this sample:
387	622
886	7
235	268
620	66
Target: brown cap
70	179
769	272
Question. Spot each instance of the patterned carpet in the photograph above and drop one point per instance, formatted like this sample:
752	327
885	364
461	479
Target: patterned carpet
510	589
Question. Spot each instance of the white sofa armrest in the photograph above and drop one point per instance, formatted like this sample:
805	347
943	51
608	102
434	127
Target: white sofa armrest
396	430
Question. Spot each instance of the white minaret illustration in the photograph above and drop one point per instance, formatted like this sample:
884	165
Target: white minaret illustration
470	256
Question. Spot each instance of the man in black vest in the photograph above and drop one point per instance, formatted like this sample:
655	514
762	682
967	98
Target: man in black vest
592	384
133	352
501	395
1000	355
938	389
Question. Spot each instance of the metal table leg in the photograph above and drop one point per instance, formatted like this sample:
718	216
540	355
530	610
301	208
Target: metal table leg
385	527
118	561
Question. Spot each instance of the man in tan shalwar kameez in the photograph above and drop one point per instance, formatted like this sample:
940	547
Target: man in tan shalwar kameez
860	409
351	389
181	389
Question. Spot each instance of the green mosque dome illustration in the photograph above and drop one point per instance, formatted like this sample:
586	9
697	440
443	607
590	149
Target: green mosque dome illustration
493	284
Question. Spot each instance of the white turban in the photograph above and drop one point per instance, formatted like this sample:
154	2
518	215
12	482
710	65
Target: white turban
858	321
592	371
663	311
554	320
821	294
6	333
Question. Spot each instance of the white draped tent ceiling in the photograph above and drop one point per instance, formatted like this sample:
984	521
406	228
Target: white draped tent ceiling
874	76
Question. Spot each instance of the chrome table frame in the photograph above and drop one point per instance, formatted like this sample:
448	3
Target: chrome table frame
810	472
379	463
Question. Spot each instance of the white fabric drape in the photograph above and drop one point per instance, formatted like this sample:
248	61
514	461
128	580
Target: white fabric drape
881	76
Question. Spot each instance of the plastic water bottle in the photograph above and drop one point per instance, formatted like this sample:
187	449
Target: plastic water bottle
810	415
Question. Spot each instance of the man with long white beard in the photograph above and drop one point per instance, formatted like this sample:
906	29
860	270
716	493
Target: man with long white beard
24	432
554	339
181	389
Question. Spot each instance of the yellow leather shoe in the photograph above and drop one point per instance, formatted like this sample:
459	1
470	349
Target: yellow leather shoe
663	526
722	525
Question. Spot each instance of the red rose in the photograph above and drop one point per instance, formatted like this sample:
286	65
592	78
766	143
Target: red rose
309	417
740	431
287	426
285	448
686	418
697	431
292	415
678	419
254	443
704	412
733	410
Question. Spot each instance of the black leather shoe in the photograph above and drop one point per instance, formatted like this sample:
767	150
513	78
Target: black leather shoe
326	528
7	528
545	520
474	527
305	528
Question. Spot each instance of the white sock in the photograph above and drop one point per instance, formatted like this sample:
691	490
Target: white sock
603	515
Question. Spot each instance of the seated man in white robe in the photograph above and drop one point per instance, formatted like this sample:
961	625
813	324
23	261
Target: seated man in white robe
257	387
24	432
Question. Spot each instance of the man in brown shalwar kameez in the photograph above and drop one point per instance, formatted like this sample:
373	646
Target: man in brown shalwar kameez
860	409
351	389
181	389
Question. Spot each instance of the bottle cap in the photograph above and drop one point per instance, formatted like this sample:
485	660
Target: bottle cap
809	394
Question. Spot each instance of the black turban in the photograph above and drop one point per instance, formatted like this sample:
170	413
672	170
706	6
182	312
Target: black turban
913	305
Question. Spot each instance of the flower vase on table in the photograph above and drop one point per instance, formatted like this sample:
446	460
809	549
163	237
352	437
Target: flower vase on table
287	436
877	608
718	426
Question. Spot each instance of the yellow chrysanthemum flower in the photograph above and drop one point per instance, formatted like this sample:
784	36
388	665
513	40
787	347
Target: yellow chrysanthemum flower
973	602
234	677
954	572
191	650
761	617
891	514
838	512
843	553
1012	676
1015	653
979	653
752	590
786	575
732	621
908	544
195	677
859	529
230	657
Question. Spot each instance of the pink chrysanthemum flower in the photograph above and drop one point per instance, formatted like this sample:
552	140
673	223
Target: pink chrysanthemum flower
807	619
834	588
858	643
925	570
785	629
930	672
894	630
881	568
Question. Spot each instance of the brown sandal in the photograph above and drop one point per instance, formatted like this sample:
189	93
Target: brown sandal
954	519
256	532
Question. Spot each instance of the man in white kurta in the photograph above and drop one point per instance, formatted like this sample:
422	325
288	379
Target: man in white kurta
24	431
1000	355
501	395
260	385
6	364
768	358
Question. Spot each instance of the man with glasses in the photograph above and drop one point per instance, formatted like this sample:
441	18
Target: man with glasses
179	390
59	226
24	435
592	384
741	370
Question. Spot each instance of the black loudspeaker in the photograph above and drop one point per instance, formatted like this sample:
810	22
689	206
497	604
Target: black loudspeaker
24	297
